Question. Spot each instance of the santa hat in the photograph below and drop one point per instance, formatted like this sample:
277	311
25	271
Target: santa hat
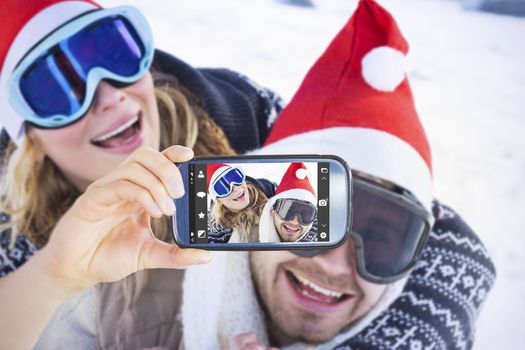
356	102
25	23
295	184
213	172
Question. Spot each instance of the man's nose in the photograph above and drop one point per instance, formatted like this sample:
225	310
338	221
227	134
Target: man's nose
295	220
340	260
106	97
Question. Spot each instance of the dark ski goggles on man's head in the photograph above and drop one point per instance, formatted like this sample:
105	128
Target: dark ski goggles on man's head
389	228
223	185
288	208
55	83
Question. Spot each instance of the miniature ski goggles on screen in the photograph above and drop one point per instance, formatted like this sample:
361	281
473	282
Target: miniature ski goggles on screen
223	185
389	228
287	209
55	83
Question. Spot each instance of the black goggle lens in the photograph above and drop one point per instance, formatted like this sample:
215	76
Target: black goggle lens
390	234
288	209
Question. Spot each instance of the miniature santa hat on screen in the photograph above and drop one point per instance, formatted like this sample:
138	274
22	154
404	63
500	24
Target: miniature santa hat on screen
295	184
356	102
25	23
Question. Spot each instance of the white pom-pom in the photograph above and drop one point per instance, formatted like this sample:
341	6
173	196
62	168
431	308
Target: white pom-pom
301	173
383	68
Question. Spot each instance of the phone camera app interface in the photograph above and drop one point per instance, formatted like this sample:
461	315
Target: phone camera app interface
259	202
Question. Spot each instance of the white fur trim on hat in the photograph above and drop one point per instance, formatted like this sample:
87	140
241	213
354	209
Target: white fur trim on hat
296	193
371	151
383	68
34	30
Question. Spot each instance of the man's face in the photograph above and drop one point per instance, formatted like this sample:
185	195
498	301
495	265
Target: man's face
288	231
311	299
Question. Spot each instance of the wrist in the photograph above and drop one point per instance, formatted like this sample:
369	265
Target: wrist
50	276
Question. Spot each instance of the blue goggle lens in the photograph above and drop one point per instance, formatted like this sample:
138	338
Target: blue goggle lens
224	185
56	82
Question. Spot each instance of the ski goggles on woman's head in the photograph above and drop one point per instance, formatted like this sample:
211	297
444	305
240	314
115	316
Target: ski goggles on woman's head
389	228
287	209
223	185
55	83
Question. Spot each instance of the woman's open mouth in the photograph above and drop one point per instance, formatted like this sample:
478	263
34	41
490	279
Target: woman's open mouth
239	196
123	138
312	295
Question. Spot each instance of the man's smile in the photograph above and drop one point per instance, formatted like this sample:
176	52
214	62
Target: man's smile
314	297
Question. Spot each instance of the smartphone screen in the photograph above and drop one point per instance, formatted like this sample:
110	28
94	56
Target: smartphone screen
263	202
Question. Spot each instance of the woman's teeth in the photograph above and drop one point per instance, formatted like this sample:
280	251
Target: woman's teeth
120	135
117	131
239	196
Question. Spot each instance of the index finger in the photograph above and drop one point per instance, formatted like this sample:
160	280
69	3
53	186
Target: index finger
178	154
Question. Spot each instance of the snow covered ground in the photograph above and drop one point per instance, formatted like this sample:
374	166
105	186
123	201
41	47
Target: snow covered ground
467	73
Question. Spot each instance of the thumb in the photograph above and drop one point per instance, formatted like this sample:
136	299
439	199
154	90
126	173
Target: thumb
178	154
157	254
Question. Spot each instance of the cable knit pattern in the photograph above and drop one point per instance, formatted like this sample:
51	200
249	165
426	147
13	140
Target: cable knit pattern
443	295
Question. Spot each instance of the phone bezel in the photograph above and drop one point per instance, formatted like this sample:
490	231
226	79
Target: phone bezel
180	221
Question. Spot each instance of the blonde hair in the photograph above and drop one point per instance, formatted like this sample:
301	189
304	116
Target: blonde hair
35	193
244	220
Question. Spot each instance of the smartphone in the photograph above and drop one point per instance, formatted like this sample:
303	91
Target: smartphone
264	203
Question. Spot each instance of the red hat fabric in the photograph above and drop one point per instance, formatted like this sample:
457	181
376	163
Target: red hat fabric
295	184
356	102
213	171
24	23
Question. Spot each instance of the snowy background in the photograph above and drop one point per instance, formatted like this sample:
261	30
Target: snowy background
468	77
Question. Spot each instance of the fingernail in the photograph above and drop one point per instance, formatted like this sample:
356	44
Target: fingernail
177	188
156	209
187	148
170	205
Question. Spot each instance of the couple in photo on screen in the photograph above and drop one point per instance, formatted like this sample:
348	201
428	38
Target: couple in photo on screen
246	210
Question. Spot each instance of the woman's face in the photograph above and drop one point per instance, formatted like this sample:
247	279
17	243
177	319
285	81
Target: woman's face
238	200
118	122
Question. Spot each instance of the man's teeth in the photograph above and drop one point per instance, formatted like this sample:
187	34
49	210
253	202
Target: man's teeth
116	131
290	228
319	289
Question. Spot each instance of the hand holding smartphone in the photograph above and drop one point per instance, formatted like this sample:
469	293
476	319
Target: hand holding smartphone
263	202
